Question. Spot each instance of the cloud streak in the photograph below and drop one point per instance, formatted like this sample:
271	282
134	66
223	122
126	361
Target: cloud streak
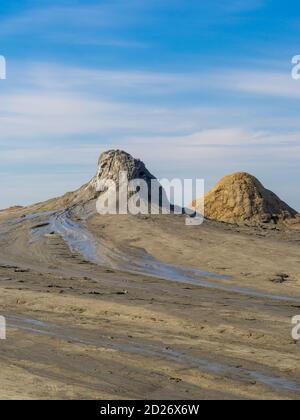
110	82
56	101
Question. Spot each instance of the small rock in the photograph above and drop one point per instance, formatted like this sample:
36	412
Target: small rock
280	278
177	380
283	275
123	292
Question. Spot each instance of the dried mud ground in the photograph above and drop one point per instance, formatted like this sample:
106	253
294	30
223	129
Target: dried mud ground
77	330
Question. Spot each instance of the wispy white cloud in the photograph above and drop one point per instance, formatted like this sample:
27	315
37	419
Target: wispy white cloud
47	76
212	143
63	18
56	101
223	143
260	83
28	116
98	41
58	155
266	83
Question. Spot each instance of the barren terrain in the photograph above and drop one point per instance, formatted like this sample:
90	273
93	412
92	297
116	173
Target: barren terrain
146	307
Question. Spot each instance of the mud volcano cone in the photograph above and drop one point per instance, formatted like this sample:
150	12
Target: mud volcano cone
241	198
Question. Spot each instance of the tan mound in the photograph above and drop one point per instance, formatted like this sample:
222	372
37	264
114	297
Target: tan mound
241	198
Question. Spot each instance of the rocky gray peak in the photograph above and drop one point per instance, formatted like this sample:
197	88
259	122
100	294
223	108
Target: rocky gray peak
110	166
112	162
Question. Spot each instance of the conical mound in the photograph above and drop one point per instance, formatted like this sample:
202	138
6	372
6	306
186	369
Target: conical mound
111	164
241	198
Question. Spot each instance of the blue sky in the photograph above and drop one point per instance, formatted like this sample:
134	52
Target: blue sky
194	88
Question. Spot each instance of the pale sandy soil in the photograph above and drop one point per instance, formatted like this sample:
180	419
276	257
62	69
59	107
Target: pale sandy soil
106	333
